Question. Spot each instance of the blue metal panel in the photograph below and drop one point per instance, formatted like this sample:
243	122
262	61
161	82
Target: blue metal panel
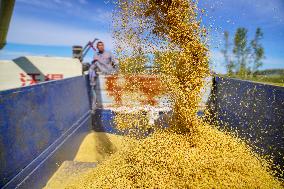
38	173
33	117
255	111
103	121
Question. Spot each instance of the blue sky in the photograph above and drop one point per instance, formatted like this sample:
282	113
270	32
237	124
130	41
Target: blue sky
52	27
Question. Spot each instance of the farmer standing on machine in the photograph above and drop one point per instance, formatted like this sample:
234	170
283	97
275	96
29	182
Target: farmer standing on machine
104	63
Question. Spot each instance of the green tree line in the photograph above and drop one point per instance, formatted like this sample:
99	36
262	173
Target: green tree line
243	58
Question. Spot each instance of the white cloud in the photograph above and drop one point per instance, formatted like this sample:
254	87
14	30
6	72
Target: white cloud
260	11
99	15
51	4
72	8
26	30
83	2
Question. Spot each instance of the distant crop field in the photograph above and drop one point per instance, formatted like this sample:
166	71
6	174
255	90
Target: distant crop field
269	79
277	80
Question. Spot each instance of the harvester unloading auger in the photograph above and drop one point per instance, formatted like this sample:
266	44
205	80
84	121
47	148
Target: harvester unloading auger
80	52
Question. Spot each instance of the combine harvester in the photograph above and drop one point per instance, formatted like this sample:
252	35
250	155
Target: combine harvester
48	134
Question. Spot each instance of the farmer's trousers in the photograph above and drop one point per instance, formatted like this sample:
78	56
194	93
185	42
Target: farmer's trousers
94	98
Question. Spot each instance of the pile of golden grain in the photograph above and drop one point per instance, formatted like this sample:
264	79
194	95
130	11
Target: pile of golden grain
171	160
190	153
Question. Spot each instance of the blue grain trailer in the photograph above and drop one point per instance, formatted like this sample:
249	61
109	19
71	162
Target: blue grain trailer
43	125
